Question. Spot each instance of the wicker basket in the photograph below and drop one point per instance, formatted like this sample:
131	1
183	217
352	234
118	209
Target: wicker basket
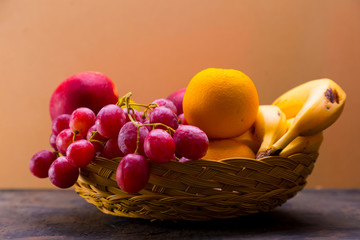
198	190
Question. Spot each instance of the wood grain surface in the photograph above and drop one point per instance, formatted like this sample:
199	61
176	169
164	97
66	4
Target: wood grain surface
62	214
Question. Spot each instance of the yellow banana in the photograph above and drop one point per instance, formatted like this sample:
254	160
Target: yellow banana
293	100
324	104
306	144
269	125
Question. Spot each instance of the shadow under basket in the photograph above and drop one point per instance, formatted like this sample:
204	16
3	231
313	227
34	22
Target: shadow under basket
200	189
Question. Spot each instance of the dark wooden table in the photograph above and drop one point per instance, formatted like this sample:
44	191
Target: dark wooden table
62	214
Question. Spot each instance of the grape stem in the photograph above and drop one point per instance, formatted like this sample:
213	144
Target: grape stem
125	101
74	136
91	139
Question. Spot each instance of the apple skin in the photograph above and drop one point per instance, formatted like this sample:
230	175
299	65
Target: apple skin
85	89
177	98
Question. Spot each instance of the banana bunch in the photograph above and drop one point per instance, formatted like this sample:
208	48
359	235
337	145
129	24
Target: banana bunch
296	120
270	126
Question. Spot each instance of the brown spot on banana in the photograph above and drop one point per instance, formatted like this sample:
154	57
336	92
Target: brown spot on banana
332	95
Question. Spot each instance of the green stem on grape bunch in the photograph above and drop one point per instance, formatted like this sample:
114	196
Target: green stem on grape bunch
91	139
125	101
74	136
122	99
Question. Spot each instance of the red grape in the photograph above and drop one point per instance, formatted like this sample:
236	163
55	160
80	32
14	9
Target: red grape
148	127
159	146
64	139
128	136
81	120
109	120
60	123
98	146
136	115
80	153
166	103
52	141
40	163
182	119
177	98
133	173
165	116
62	174
191	142
111	149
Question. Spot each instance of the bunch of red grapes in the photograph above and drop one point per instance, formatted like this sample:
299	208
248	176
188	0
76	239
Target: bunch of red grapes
137	138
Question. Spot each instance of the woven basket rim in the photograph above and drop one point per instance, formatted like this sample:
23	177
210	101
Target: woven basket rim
177	190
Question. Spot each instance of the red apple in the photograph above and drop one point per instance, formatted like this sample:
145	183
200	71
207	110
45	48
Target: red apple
86	89
177	98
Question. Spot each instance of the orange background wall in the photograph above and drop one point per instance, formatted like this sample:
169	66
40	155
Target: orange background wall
154	47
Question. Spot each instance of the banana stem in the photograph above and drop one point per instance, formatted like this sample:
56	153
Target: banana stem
290	135
278	146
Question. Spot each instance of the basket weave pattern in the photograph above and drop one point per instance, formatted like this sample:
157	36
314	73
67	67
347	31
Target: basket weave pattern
198	190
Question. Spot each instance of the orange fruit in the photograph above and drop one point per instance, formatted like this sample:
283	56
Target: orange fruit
222	102
228	148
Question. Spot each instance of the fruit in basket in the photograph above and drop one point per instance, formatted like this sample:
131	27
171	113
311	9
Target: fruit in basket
190	142
81	120
249	139
40	163
80	153
86	89
159	146
227	148
109	120
165	116
269	126
305	144
166	103
182	119
321	105
52	141
127	139
60	123
177	98
62	174
133	173
111	149
293	100
64	139
96	139
222	102
135	114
